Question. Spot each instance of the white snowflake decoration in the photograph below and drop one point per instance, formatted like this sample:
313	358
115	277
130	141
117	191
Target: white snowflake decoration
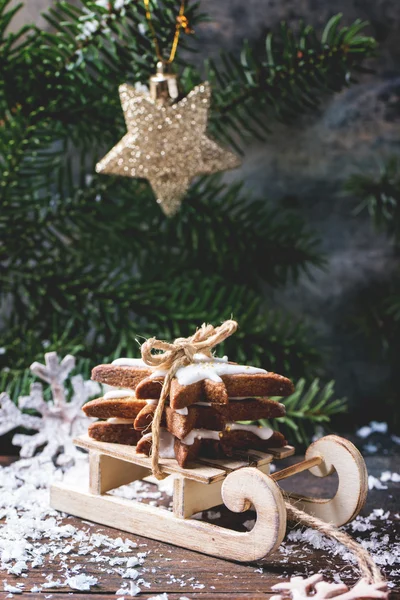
318	589
60	420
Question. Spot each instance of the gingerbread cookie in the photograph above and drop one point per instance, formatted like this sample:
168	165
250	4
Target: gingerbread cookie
212	444
113	406
114	432
212	380
125	373
207	401
211	416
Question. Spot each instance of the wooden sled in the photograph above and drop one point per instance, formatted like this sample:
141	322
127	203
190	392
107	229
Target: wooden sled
239	483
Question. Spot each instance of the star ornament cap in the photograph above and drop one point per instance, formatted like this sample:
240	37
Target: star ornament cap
167	145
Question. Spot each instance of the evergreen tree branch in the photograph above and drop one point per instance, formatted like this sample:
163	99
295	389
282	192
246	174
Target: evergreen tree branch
288	77
380	196
217	218
307	408
376	308
121	314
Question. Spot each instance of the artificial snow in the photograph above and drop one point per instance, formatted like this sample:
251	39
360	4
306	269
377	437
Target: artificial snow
249	524
81	582
12	588
388	476
373	427
33	533
374	483
131	591
213	514
384	551
130	574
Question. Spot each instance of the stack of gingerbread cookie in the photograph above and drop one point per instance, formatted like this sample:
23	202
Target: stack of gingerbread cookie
208	402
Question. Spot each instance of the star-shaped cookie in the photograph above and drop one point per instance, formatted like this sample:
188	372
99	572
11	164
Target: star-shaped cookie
167	145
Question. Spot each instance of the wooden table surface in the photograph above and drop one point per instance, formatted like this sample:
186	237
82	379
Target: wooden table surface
215	578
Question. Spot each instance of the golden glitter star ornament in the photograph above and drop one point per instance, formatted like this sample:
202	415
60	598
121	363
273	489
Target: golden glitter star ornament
166	143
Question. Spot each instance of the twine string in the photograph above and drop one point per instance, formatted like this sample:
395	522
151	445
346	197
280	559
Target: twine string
173	356
369	570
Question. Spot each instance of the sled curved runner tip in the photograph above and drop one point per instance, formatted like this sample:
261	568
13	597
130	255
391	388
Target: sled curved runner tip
340	455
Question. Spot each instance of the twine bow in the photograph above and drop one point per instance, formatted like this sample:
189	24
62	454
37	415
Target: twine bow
172	357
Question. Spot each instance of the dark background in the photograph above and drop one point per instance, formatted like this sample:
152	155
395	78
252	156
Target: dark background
305	166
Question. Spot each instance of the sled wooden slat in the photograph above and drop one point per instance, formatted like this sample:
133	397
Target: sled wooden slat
256	458
197	472
284	452
203	470
250	458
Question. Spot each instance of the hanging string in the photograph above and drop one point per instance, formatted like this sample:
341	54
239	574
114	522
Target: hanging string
181	23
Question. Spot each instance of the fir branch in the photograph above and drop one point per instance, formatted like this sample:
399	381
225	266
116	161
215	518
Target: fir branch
376	309
374	321
288	77
375	316
216	218
91	51
109	322
380	196
307	408
28	155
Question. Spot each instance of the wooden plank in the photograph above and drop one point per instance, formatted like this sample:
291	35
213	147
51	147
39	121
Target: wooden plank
191	497
226	464
197	472
255	458
241	489
176	596
284	452
107	473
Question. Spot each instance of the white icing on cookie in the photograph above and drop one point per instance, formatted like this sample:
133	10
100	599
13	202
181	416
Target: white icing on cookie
118	421
263	433
200	434
151	401
205	368
202	368
182	411
119	394
166	447
130	362
166	444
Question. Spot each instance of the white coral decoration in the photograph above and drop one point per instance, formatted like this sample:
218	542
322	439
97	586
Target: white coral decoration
314	587
60	420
